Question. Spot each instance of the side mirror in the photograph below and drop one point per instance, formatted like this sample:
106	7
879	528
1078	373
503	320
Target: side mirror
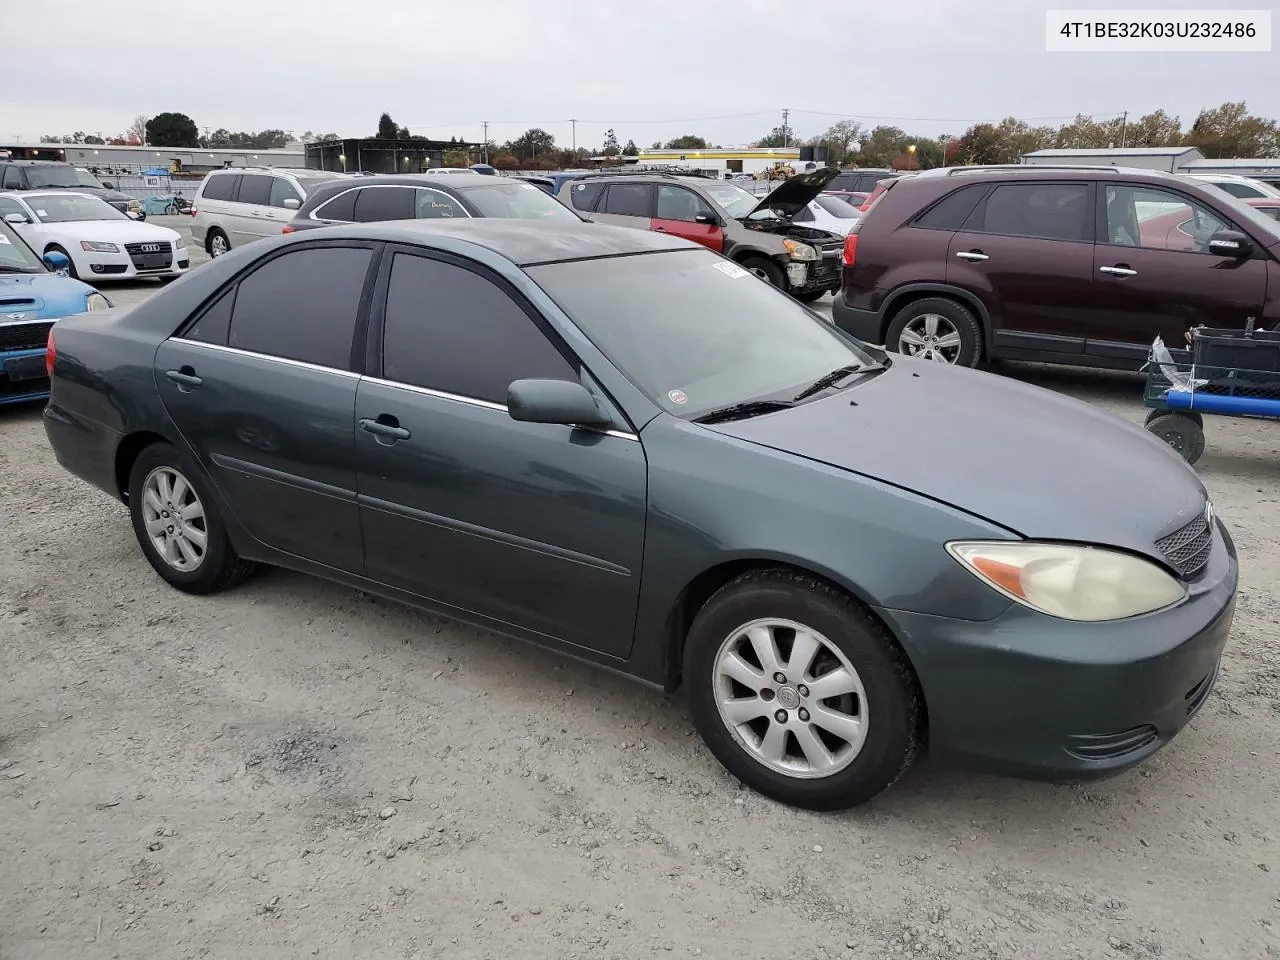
133	215
708	218
16	218
108	184
290	203
1230	243
57	262
554	401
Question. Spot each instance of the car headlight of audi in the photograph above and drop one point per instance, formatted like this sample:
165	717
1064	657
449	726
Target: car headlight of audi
98	246
1081	583
96	301
799	251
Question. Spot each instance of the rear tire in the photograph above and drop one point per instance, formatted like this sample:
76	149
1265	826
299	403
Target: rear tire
177	524
813	296
766	270
217	244
845	721
1181	432
938	329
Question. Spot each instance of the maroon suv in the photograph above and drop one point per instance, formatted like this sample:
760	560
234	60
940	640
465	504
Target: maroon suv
1081	266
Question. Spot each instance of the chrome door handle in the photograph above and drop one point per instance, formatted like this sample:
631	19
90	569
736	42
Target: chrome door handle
1118	271
973	255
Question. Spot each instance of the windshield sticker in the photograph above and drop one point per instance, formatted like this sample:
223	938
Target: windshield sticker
678	396
731	269
41	213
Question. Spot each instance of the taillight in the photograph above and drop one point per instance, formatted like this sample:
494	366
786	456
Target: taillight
192	211
288	228
50	354
850	249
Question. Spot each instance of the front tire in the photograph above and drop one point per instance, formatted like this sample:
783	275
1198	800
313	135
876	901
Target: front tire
1181	432
766	270
936	329
177	524
800	692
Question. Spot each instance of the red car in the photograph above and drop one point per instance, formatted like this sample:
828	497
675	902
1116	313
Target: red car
1265	205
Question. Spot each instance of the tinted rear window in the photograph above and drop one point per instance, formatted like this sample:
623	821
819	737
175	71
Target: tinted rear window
628	199
221	187
374	204
341	207
951	211
584	195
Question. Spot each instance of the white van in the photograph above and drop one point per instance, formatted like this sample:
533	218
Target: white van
238	205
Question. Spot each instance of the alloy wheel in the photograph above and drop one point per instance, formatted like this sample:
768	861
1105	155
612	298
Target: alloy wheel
174	519
790	698
217	245
930	336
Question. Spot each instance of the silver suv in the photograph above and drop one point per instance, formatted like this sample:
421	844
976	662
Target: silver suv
238	205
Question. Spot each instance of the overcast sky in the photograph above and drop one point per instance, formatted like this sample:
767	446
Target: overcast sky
722	70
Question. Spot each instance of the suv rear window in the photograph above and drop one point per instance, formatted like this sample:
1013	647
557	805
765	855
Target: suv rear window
1044	211
953	210
221	187
585	195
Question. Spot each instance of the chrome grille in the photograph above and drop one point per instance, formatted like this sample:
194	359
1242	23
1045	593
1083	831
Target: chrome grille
1187	549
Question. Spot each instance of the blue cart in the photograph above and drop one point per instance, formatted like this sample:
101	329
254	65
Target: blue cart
1226	373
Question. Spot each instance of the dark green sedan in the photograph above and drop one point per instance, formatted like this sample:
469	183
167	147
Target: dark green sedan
624	447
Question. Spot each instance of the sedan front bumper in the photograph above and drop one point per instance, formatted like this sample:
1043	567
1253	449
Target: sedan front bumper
1033	696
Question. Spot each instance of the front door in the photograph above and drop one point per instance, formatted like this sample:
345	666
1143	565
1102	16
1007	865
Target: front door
1155	276
678	211
262	389
537	526
1026	250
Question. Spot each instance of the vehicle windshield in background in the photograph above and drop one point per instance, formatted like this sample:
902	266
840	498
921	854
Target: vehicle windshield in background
519	201
15	255
87	179
837	207
52	176
732	199
696	332
68	208
1246	214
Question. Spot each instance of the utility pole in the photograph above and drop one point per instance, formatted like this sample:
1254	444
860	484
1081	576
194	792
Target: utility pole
484	150
1124	127
786	131
574	124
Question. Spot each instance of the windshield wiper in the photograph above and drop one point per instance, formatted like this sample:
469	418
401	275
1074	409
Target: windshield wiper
741	411
830	380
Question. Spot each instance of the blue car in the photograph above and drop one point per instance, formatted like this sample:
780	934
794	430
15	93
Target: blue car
34	295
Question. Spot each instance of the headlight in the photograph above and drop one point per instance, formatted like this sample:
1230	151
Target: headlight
180	244
799	251
96	301
98	246
1074	583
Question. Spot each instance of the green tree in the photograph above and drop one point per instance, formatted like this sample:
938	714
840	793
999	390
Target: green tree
610	147
686	142
1156	129
839	139
172	130
531	146
1085	133
882	146
455	158
779	136
387	129
1229	130
631	150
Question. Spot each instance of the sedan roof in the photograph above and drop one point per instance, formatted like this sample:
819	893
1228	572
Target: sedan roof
523	242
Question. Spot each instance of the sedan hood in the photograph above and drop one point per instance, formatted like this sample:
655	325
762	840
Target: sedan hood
40	296
790	197
112	231
1037	463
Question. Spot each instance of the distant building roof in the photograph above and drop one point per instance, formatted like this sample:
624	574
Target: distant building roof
1114	152
1262	163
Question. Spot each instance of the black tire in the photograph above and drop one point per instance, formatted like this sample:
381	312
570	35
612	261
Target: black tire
208	242
1181	432
766	269
1192	414
892	703
813	296
958	316
219	568
71	264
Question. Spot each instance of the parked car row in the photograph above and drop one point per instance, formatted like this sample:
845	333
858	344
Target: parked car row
23	175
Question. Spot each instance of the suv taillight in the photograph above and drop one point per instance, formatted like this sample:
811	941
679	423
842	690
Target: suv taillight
50	354
850	249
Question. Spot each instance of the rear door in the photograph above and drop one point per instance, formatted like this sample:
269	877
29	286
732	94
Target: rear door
1154	274
538	526
249	220
1026	251
384	202
626	205
262	388
677	212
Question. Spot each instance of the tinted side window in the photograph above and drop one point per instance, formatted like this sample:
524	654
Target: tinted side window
1046	211
677	203
951	211
844	181
1239	189
384	203
1158	220
341	208
282	190
254	188
221	187
437	205
213	325
12	178
628	199
302	306
585	195
450	329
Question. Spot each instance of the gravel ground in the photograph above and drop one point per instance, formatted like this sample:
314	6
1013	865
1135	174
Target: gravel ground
296	769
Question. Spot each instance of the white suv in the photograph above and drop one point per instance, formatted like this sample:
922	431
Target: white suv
238	205
1244	187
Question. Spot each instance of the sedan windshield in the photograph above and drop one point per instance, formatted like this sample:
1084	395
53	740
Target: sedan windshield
838	208
695	332
515	200
15	255
71	207
54	175
735	201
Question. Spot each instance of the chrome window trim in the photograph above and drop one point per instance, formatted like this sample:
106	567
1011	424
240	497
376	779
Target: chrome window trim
410	388
315	214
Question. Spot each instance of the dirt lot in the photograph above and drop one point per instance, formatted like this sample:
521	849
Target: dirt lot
294	769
